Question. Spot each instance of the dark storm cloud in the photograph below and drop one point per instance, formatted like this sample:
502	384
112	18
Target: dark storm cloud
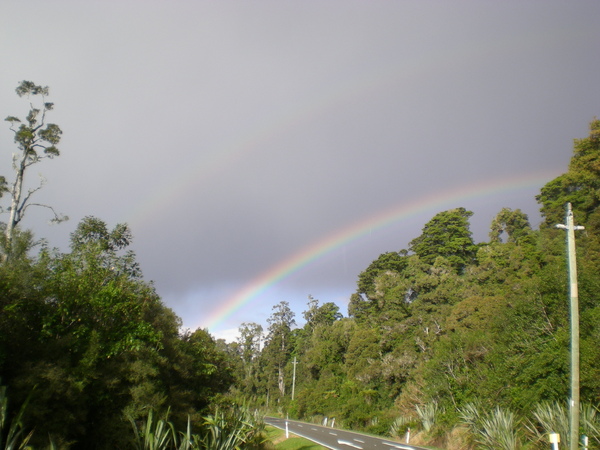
233	135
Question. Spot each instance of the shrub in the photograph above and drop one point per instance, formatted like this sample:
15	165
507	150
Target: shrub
493	430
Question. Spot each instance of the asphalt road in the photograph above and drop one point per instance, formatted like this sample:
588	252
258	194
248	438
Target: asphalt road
336	439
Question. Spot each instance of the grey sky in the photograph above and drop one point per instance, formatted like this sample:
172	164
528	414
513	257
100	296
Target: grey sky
232	135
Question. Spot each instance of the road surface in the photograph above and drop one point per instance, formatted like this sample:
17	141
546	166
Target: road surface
336	439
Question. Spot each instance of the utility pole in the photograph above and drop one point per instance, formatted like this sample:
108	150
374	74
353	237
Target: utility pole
574	301
294	378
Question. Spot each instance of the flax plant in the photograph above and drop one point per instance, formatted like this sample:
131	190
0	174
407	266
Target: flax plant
222	435
12	437
493	430
155	434
554	418
234	430
500	430
399	426
230	430
428	414
187	440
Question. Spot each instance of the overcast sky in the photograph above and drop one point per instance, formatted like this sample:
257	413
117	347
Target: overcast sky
232	136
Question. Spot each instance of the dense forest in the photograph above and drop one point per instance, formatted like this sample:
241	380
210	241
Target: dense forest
443	332
465	343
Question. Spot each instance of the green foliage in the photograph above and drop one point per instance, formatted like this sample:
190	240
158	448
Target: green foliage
12	436
492	430
386	262
579	185
323	315
553	417
96	338
399	427
456	322
154	434
278	346
249	340
362	356
233	429
29	88
428	335
514	224
428	414
446	235
3	186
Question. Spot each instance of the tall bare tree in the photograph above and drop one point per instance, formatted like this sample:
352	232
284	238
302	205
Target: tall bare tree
36	140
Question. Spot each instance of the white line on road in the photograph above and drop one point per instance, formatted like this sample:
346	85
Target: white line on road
398	446
310	438
333	434
358	440
350	444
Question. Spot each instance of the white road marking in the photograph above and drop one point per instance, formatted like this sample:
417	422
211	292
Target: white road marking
333	434
350	444
397	446
358	440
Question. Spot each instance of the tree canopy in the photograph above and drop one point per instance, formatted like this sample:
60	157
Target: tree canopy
447	235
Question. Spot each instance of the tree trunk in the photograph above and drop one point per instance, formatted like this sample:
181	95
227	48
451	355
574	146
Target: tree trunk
14	208
281	382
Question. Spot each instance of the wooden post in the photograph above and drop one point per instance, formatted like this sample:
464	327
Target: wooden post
294	378
574	301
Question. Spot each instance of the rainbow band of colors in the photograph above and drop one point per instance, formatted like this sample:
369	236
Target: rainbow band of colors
355	231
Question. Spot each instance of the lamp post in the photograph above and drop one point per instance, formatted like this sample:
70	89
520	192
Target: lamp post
574	301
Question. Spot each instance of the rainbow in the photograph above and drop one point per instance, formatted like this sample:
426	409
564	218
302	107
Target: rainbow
316	250
350	87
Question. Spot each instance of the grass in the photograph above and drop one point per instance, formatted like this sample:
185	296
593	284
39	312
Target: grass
294	442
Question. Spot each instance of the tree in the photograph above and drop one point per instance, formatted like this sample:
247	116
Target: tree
250	338
515	224
36	140
99	343
277	346
317	315
446	235
89	338
201	372
358	307
580	185
249	342
361	305
386	262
